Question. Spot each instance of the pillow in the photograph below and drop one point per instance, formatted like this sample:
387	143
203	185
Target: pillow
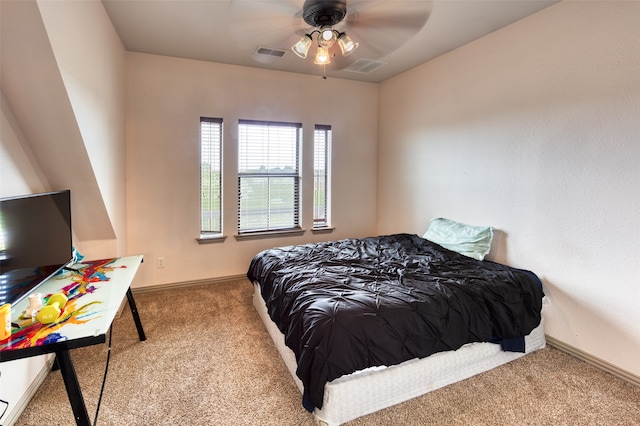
472	241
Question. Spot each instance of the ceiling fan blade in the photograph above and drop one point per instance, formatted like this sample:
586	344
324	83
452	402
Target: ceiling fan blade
379	26
407	13
269	23
383	26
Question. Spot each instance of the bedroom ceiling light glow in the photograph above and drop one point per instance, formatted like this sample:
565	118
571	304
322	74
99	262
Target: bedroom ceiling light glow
323	16
322	56
326	38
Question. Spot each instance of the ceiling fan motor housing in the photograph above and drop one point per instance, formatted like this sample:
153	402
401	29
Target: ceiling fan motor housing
324	13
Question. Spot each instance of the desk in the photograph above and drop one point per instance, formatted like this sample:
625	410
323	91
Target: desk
95	293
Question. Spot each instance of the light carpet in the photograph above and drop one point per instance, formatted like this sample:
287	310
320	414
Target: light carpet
208	360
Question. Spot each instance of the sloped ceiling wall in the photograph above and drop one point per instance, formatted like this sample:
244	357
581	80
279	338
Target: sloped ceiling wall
33	87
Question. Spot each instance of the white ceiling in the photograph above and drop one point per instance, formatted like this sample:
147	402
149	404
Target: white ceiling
230	31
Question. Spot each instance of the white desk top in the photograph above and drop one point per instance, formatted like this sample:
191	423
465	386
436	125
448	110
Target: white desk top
94	294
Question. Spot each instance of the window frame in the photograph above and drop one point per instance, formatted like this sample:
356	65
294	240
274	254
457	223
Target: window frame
211	232
322	139
270	176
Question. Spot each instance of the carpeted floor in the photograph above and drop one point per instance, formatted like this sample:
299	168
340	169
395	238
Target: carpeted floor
209	361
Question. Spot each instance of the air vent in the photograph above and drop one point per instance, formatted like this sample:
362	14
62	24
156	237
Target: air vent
267	51
365	66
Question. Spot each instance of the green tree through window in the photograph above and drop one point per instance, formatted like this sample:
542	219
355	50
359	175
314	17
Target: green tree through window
268	176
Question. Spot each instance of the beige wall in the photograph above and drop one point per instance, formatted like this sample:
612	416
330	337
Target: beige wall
534	130
62	113
19	172
62	74
91	60
18	175
166	98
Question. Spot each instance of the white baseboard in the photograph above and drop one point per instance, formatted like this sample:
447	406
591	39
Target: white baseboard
22	403
595	361
171	286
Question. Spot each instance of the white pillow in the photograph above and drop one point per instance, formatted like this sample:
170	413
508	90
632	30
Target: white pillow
472	241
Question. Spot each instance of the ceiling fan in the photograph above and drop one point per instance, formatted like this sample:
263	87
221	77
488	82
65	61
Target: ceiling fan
323	16
337	28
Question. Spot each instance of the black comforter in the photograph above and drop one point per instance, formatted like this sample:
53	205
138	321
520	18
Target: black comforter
347	305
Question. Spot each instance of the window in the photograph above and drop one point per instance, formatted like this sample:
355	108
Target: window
268	176
210	177
321	181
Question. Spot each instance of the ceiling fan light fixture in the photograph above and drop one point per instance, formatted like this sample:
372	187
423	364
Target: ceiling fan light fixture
323	16
326	37
301	48
322	56
347	45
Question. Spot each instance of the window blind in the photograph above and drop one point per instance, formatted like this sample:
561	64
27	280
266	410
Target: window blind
268	176
210	176
321	169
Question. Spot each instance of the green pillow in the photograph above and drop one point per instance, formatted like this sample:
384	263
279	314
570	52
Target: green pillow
472	241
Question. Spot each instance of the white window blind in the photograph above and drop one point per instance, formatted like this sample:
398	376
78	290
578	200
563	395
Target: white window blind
321	176
210	176
268	176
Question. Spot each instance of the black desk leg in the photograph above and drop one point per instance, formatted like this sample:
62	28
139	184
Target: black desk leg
63	358
136	317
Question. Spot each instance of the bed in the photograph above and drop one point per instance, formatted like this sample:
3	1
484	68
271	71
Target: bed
363	324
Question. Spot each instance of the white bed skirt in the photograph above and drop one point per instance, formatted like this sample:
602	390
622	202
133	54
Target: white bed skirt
355	395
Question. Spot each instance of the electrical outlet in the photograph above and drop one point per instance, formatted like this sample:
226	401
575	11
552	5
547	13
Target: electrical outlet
161	262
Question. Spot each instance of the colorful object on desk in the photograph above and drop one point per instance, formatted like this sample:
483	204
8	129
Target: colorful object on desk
52	310
77	257
80	308
35	303
5	321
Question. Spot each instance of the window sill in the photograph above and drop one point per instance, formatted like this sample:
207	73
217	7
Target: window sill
326	230
209	239
270	234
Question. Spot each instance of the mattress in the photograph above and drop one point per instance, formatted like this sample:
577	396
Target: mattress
366	391
352	304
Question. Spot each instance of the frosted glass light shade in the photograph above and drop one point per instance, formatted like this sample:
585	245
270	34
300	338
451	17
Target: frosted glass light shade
322	56
301	48
326	37
347	46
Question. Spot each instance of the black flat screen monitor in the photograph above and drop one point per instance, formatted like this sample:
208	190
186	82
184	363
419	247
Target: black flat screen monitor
35	241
